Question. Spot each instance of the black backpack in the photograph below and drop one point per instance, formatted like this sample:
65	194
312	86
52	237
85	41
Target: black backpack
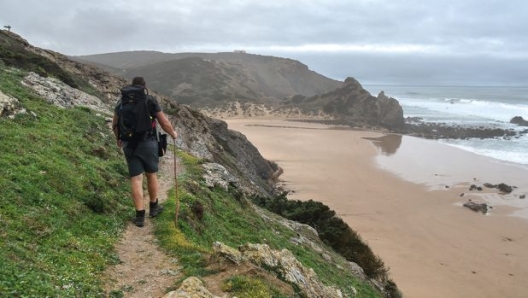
134	120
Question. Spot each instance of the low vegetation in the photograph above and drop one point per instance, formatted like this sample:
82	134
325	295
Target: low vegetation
333	231
247	287
64	200
209	215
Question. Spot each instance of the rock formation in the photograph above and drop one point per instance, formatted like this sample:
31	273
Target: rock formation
191	287
477	207
58	93
283	263
217	175
354	106
9	106
519	121
503	187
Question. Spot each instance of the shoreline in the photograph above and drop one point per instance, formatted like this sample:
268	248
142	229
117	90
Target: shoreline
433	246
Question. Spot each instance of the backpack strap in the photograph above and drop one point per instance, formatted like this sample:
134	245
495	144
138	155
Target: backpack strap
147	101
157	133
149	98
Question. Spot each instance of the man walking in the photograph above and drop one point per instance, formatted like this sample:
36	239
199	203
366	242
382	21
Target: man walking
141	153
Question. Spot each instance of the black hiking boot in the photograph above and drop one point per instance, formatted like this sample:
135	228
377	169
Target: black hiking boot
139	220
155	209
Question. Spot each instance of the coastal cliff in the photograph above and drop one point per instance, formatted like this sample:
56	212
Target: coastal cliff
66	193
353	105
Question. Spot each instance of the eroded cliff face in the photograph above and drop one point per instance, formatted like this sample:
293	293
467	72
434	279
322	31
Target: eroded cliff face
211	139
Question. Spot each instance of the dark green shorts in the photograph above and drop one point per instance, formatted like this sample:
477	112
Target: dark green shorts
144	158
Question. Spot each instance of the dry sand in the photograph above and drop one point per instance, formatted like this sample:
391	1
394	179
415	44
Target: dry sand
433	246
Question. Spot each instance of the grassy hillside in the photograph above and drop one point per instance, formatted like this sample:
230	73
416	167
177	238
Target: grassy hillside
64	199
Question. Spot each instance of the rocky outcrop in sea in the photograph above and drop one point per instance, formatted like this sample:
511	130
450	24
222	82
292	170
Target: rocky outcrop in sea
519	121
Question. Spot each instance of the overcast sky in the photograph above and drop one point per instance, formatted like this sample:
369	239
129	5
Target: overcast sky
439	42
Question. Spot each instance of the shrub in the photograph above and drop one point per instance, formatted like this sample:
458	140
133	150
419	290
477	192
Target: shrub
332	230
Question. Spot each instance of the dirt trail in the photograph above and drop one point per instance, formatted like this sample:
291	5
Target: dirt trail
145	270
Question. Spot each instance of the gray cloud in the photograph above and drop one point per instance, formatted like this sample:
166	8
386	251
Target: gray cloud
377	40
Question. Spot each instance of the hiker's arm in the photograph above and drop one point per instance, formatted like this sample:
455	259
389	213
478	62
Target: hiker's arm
166	125
115	129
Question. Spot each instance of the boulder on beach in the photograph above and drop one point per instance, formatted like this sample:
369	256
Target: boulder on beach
474	187
477	207
503	187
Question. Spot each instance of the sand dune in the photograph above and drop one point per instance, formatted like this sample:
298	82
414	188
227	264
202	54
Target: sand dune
406	201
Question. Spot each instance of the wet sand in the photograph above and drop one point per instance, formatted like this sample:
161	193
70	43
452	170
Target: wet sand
404	197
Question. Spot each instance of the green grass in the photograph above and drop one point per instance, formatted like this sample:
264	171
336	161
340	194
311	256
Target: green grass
250	287
209	215
64	198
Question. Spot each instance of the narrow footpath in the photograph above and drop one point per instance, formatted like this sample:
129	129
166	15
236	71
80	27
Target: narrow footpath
144	270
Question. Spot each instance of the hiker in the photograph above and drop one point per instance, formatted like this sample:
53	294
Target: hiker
141	149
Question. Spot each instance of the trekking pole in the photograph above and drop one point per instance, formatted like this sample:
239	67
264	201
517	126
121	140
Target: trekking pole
176	187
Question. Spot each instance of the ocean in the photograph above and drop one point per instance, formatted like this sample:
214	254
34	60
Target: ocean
476	106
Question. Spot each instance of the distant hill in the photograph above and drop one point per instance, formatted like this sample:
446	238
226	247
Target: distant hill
127	60
203	79
241	84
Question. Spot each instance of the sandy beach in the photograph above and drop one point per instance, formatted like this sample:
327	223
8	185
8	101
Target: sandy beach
404	197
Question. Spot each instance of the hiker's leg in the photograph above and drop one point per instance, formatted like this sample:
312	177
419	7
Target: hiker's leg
135	170
152	185
137	191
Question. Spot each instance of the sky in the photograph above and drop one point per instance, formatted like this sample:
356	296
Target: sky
401	42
